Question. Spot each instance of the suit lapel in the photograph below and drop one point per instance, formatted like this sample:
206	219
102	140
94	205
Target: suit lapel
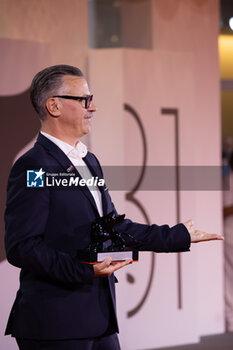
65	163
95	170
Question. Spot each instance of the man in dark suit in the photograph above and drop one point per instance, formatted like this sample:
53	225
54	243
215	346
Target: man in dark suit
63	303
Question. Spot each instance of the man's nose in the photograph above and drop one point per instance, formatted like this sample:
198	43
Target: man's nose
92	107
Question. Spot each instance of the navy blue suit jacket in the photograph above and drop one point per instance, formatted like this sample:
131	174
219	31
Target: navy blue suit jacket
59	297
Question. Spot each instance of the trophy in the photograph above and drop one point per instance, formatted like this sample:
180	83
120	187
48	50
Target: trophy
107	241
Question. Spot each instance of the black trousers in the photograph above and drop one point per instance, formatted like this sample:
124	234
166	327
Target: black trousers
108	342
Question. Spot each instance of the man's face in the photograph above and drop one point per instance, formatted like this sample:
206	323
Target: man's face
75	119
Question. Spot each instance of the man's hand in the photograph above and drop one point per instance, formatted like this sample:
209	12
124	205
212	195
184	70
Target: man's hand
106	268
199	236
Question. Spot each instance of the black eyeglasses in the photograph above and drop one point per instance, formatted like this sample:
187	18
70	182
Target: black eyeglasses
87	99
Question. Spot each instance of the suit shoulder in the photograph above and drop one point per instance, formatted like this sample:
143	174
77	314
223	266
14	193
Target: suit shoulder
31	159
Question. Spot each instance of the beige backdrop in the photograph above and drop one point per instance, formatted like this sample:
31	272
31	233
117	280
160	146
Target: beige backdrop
180	71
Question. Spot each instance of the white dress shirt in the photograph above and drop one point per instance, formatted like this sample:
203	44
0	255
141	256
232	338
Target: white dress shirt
76	155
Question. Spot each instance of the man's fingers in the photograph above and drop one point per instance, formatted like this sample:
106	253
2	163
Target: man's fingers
104	264
189	225
189	222
199	236
119	265
106	268
216	237
209	236
107	262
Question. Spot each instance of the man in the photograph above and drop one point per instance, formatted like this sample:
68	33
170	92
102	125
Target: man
63	303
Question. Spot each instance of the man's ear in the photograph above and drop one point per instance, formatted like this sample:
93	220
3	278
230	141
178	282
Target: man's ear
53	106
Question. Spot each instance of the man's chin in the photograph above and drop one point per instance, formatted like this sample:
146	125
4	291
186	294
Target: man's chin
86	131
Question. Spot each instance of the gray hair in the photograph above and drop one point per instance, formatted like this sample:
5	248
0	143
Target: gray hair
46	84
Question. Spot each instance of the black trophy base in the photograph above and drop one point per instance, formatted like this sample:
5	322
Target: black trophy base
97	257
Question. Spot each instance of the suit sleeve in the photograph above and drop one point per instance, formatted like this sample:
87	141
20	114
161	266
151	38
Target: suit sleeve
150	237
26	216
153	237
160	239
